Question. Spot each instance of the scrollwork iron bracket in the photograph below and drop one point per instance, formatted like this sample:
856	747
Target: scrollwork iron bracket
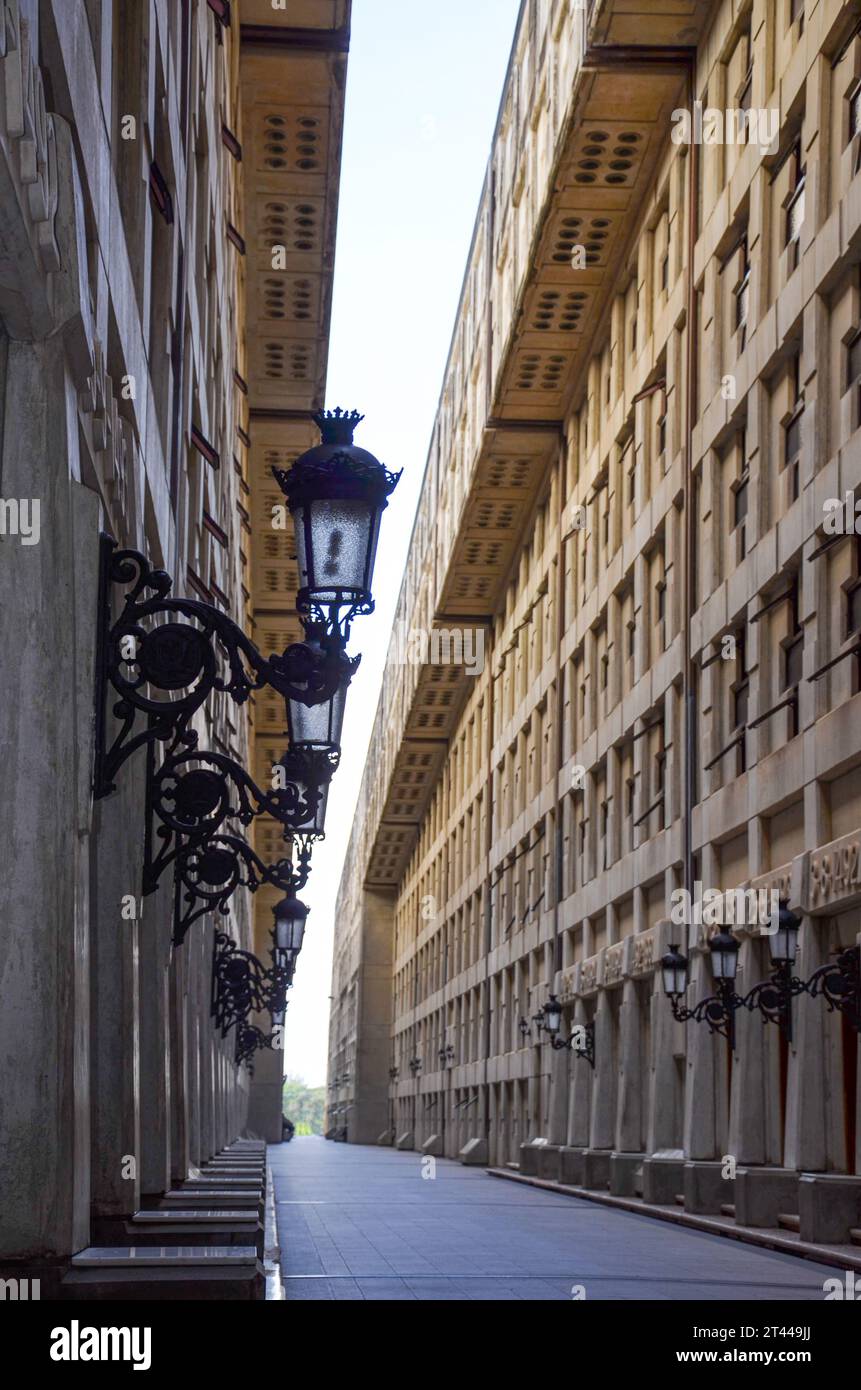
163	656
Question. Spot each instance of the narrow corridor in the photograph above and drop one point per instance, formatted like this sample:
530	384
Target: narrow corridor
363	1223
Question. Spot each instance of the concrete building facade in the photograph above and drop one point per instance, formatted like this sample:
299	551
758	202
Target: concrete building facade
625	657
152	155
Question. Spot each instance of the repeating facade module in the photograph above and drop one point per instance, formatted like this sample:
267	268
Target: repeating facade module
652	394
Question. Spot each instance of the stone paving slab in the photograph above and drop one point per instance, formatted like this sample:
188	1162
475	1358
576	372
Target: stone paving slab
360	1223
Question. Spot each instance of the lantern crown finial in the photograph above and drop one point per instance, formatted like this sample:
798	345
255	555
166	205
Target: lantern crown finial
337	426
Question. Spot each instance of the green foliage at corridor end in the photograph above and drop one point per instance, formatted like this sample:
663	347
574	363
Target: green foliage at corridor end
303	1105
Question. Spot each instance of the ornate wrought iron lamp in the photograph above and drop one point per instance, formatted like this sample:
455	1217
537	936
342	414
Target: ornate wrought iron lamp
582	1039
838	981
250	1039
165	669
317	728
717	1010
336	494
289	931
241	985
307	775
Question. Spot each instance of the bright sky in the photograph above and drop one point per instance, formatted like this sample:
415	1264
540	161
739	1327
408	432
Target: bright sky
423	90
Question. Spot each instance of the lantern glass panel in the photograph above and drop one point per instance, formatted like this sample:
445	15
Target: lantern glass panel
784	943
724	953
336	542
552	1017
312	792
321	725
675	976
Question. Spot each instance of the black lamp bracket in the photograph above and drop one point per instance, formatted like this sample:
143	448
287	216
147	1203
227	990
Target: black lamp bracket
241	984
838	982
207	874
164	656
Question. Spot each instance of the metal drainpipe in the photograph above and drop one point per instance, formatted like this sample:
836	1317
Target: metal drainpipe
488	836
688	495
560	737
416	1074
488	919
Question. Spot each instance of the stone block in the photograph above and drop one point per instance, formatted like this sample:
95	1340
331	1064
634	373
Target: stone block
549	1163
763	1194
663	1180
706	1191
571	1166
596	1169
474	1151
529	1157
829	1207
626	1174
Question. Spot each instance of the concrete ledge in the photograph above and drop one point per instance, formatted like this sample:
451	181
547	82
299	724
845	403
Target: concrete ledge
841	1257
626	1174
829	1206
763	1194
386	1139
474	1151
406	1141
706	1191
433	1145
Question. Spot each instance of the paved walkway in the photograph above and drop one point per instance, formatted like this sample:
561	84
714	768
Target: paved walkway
362	1223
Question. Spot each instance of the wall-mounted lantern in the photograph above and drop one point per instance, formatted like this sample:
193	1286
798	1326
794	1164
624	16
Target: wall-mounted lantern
336	494
288	933
318	727
582	1039
838	982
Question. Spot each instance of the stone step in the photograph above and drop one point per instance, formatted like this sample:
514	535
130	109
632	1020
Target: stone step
179	1197
136	1272
203	1216
217	1170
227	1180
166	1256
255	1164
221	1184
789	1222
204	1227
